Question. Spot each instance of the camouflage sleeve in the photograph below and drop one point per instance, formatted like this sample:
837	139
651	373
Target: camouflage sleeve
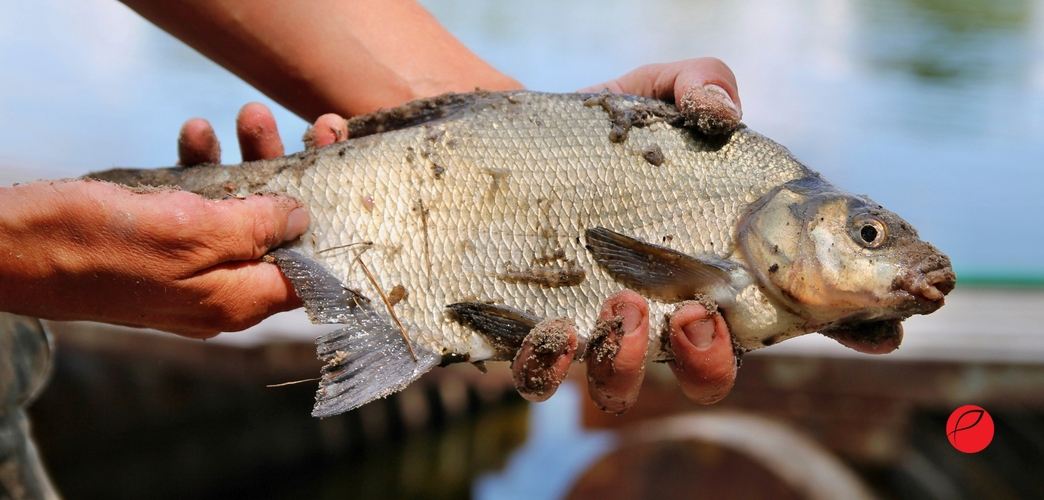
25	359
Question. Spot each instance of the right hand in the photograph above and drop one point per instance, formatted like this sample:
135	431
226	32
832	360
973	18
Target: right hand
164	259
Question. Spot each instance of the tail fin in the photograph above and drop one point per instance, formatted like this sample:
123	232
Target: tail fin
367	358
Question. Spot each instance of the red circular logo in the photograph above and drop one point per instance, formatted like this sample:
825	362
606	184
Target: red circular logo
969	429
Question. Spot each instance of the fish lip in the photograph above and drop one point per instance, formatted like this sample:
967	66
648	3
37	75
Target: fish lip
928	284
943	279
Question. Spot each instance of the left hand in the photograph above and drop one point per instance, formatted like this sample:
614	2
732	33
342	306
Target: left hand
705	364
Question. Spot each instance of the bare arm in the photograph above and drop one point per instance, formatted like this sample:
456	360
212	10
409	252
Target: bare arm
327	55
88	250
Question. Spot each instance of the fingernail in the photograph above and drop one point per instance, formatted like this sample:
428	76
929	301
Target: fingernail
700	333
296	223
721	95
631	317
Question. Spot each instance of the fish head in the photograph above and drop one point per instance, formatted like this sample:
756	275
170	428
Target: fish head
840	260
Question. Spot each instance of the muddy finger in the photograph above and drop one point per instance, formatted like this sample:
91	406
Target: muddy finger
198	144
544	358
328	129
704	360
257	132
616	352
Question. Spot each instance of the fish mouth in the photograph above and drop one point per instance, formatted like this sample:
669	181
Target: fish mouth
928	284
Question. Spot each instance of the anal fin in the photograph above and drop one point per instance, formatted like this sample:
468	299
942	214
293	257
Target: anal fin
503	326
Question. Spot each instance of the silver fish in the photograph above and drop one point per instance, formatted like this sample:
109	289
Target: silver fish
444	230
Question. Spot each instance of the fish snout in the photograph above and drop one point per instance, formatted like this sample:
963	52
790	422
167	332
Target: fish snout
942	280
938	277
929	283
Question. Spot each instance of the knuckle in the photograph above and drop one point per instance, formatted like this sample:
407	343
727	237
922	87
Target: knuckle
264	234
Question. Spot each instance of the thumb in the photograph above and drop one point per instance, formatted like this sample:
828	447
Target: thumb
251	226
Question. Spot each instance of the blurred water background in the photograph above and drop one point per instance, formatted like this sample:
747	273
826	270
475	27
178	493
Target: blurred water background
935	108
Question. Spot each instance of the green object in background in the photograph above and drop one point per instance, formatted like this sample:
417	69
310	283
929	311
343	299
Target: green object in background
1000	280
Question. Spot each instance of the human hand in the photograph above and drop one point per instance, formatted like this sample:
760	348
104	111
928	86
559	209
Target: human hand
704	90
165	259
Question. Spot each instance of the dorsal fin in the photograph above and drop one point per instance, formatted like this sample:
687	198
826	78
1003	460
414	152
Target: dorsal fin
420	111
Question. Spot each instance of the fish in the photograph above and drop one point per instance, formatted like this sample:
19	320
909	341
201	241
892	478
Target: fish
446	229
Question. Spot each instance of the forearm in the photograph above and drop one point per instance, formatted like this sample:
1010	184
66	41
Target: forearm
328	55
33	244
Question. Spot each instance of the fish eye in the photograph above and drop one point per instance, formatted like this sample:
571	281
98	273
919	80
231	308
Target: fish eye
869	232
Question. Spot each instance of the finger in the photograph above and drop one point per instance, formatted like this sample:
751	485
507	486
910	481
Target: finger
245	229
705	90
616	352
544	358
257	133
704	361
328	129
236	296
197	143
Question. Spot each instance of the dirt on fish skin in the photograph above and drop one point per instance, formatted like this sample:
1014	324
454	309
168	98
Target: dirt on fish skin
397	294
558	254
418	112
624	117
547	276
653	154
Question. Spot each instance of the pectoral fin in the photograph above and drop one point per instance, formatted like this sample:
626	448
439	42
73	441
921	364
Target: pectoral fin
655	271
